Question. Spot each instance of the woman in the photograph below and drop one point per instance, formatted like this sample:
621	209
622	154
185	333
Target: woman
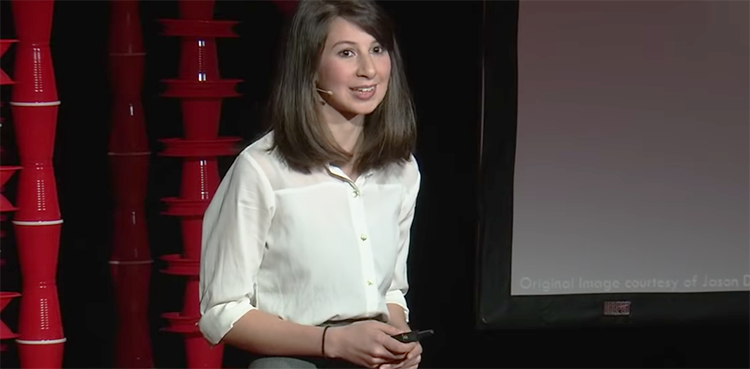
306	239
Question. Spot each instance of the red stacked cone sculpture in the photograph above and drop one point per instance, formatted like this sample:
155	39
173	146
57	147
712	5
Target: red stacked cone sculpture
286	6
5	297
130	258
4	46
201	90
5	80
37	222
5	206
5	332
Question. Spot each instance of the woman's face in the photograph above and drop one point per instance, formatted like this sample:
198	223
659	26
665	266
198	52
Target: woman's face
355	68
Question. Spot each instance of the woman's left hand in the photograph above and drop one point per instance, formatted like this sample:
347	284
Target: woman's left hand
410	362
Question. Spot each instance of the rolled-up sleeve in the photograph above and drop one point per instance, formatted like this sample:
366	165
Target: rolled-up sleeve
400	284
235	225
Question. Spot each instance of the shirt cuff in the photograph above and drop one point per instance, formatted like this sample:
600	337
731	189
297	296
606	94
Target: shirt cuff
216	322
397	297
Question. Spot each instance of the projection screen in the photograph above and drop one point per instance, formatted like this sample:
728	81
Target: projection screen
630	170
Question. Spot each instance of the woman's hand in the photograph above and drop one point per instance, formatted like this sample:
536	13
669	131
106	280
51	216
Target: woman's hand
367	343
411	361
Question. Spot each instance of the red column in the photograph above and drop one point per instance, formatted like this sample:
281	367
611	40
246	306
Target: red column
130	258
201	90
5	80
37	223
286	6
5	207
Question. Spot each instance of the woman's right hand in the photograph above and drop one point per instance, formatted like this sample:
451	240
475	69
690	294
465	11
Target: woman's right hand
366	343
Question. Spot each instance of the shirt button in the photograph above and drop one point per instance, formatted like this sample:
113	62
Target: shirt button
355	194
363	237
370	282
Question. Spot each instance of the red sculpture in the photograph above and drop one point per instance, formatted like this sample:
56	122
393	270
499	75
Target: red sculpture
201	90
37	222
130	258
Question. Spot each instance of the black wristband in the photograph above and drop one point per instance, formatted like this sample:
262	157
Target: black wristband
323	342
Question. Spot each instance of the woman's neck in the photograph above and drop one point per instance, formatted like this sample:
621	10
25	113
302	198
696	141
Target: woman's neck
345	130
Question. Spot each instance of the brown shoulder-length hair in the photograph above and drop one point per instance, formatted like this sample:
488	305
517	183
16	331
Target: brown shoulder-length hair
389	132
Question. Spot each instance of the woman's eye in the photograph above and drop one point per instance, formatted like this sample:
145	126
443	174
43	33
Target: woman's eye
346	53
377	49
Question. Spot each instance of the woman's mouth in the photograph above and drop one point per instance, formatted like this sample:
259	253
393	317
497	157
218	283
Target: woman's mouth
364	92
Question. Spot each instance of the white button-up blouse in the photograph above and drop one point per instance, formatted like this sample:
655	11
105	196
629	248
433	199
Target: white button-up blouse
308	248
